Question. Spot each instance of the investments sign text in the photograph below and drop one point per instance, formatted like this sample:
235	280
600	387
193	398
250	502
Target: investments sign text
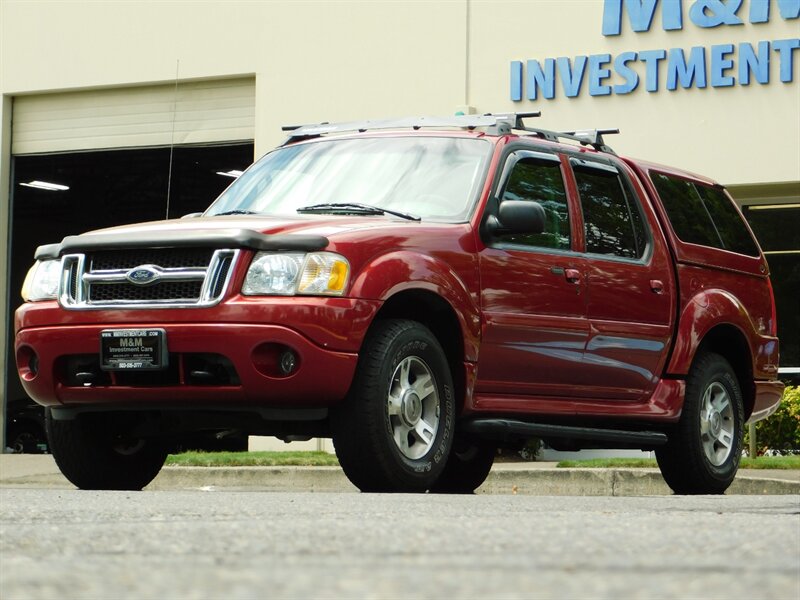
718	65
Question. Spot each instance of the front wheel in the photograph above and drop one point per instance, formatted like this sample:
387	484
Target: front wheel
703	451
394	431
93	453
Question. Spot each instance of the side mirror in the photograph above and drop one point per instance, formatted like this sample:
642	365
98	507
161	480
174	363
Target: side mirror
517	216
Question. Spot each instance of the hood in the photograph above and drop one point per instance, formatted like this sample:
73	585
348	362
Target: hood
305	233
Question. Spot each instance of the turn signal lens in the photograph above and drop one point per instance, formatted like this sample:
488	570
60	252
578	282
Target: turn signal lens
324	273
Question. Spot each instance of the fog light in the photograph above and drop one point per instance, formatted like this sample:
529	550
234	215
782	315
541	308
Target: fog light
27	363
273	359
287	362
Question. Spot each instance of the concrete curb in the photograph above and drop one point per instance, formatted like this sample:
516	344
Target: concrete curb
533	481
612	482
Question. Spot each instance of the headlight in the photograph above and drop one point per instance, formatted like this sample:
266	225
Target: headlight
289	273
41	283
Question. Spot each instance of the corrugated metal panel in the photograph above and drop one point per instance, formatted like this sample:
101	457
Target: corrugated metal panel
202	112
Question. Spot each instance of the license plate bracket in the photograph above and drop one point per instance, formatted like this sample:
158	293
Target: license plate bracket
133	350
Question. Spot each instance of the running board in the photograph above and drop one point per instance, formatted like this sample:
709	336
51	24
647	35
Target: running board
507	430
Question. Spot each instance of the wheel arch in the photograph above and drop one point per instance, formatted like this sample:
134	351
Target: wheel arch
714	320
438	315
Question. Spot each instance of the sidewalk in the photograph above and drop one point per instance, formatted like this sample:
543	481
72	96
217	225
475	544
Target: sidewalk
535	478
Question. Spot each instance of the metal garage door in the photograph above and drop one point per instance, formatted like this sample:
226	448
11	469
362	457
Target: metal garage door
192	113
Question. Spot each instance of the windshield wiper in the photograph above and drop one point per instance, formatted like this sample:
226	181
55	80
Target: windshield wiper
354	208
235	212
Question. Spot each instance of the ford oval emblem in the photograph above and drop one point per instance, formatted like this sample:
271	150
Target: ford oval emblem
143	275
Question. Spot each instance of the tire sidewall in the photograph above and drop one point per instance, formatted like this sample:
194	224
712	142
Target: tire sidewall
467	468
719	372
419	343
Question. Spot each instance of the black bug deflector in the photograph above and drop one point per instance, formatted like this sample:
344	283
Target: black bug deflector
206	238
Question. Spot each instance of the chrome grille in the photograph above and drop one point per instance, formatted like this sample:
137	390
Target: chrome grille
166	258
146	278
168	290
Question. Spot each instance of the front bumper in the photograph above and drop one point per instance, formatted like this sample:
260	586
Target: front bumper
326	356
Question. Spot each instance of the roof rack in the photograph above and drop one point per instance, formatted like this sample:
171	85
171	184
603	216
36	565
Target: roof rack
512	120
593	138
496	124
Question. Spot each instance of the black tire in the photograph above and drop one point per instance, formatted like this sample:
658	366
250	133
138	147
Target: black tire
704	448
467	468
383	449
93	457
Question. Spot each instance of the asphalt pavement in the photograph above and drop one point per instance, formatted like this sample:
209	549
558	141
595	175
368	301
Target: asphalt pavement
524	478
58	544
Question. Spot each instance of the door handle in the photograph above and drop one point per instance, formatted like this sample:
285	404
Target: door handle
657	286
571	275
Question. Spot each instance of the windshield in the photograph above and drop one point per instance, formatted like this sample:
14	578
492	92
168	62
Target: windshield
432	178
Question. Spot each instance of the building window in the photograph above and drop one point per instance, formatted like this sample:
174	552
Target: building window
776	227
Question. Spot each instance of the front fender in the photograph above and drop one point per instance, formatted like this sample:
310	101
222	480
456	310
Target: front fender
405	270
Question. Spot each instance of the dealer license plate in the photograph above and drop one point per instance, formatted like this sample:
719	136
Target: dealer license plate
133	349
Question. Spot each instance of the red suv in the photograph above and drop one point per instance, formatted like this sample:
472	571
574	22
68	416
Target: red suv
423	291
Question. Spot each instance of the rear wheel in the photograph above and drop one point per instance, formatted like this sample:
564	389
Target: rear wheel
94	454
467	468
703	451
394	431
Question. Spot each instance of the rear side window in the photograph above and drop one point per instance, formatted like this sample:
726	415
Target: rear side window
701	214
732	230
611	217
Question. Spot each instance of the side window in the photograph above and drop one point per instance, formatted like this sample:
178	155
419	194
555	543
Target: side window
686	211
701	214
731	228
611	216
540	180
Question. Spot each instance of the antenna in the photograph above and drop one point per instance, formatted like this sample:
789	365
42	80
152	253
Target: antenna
172	138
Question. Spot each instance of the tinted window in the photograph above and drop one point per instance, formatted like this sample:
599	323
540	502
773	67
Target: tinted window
541	181
685	210
612	221
704	215
730	226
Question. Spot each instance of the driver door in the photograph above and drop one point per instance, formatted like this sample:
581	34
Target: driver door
533	292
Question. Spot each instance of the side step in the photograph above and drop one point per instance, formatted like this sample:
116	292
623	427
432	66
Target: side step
506	430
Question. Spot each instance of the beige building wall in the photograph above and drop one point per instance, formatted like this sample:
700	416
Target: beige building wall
318	61
313	61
